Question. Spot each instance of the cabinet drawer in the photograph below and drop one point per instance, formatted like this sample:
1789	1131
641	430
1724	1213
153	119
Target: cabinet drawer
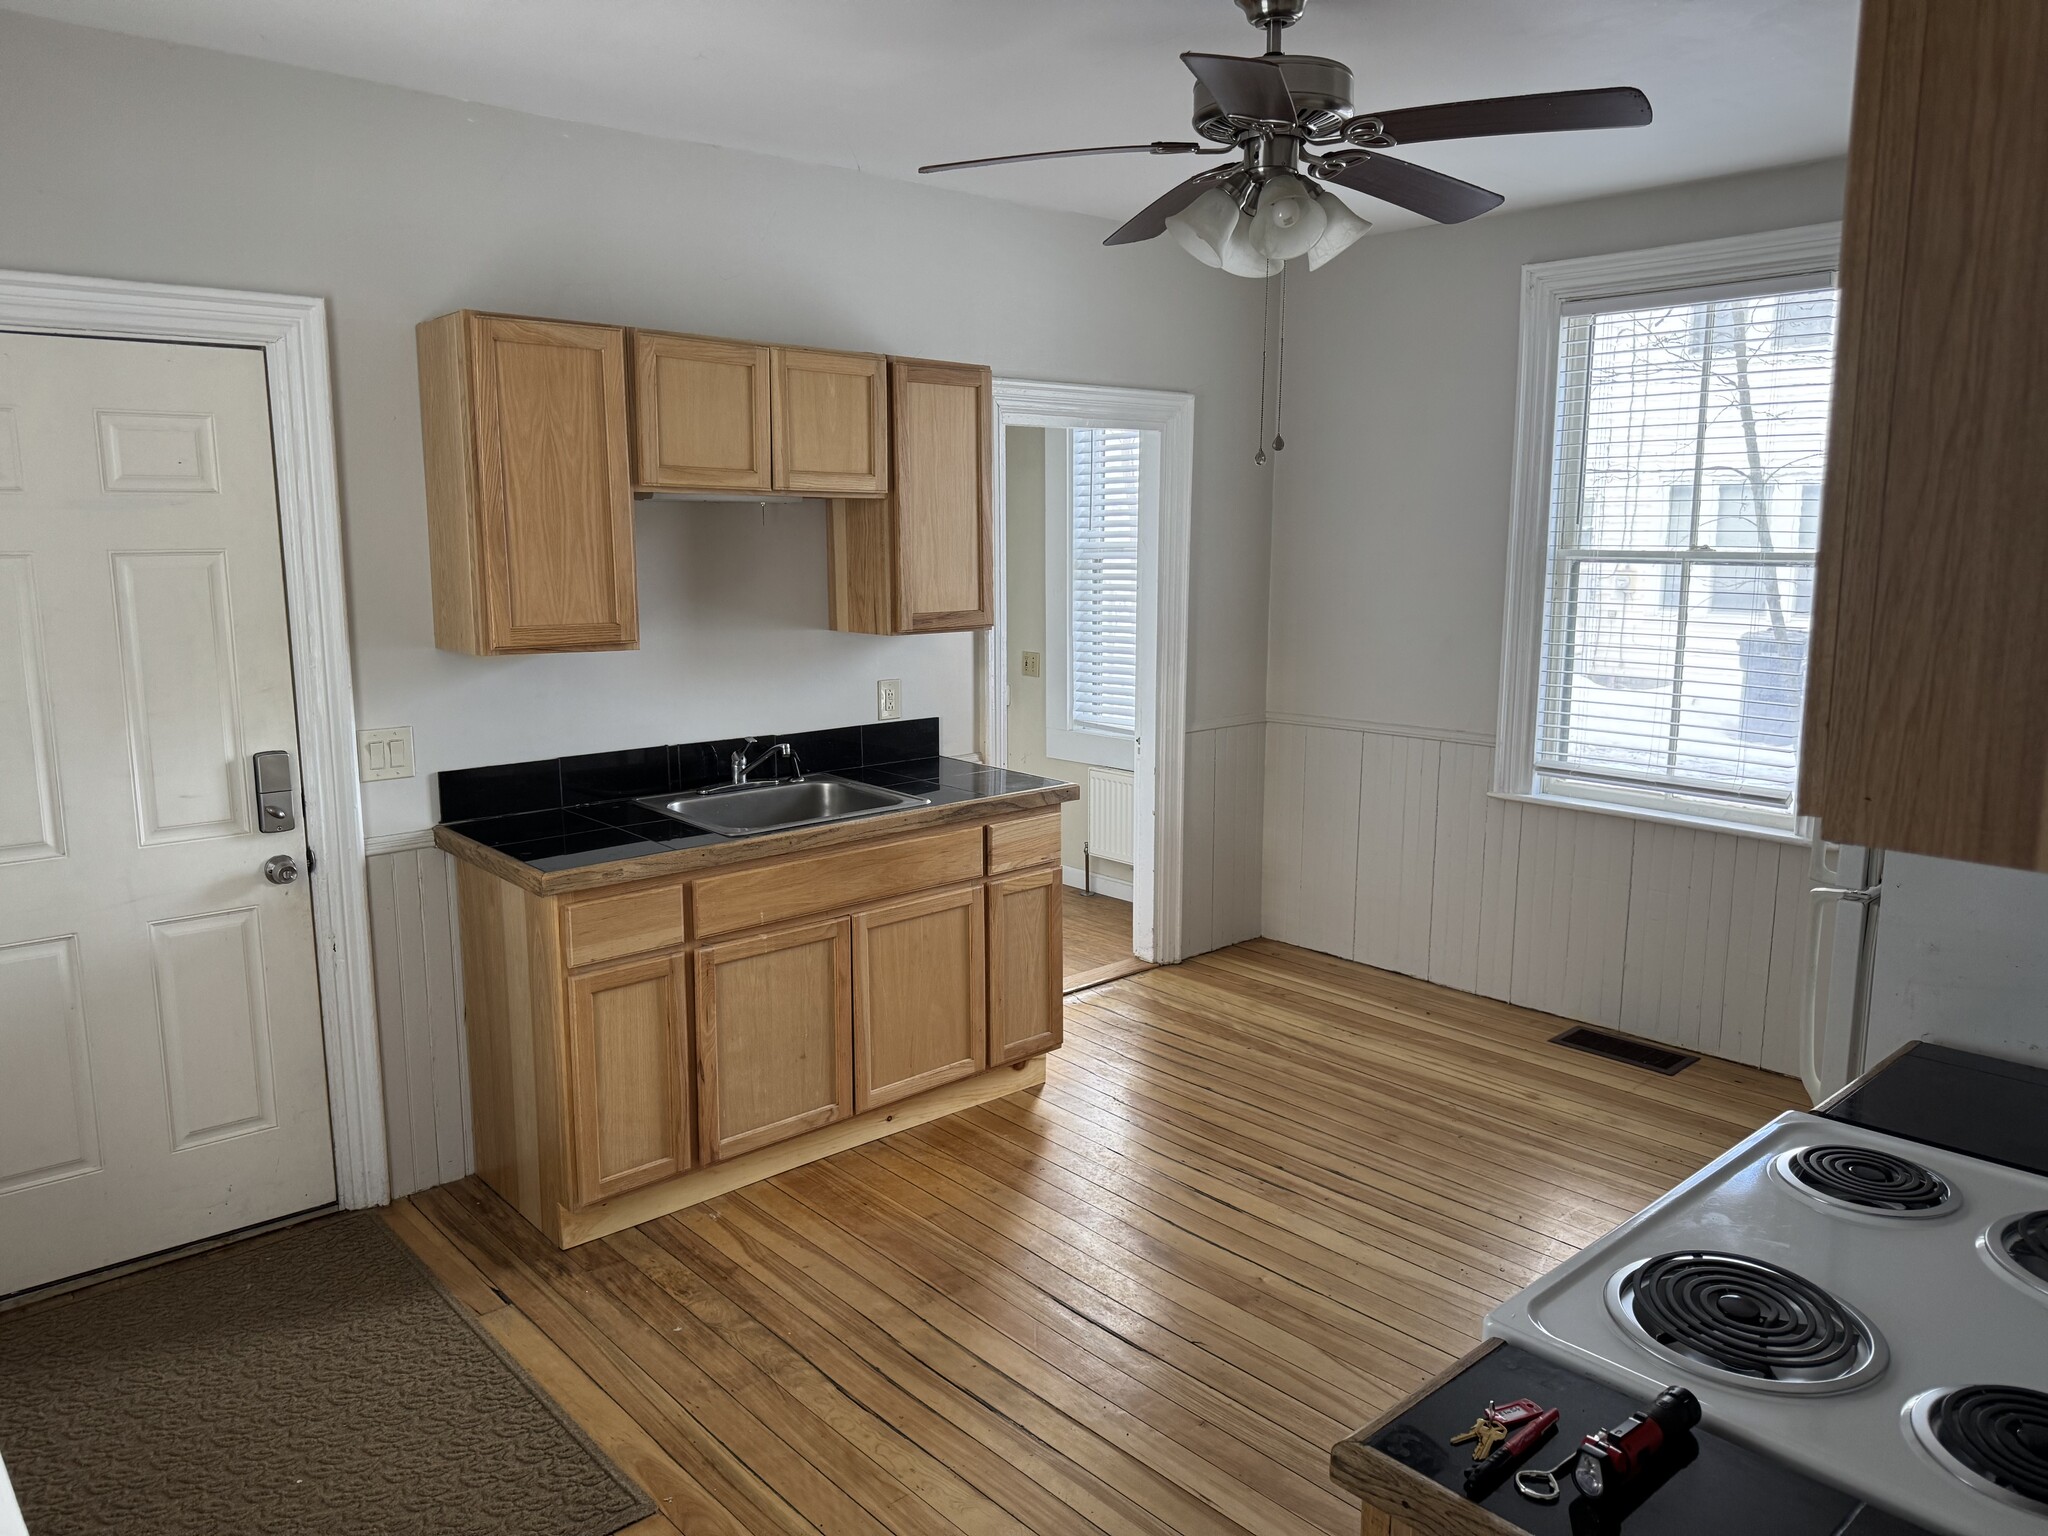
755	898
1024	842
628	923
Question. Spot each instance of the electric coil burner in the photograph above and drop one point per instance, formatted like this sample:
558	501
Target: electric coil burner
2018	1247
1993	1438
1746	1321
1866	1179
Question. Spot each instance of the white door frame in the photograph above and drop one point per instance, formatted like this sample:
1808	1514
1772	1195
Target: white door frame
1162	714
292	332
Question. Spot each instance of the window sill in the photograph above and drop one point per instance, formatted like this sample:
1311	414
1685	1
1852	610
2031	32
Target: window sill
1788	837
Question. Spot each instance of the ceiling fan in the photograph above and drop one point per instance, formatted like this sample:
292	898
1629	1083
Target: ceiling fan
1289	120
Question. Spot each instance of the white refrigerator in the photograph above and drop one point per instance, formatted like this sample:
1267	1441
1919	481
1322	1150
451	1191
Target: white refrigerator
1913	948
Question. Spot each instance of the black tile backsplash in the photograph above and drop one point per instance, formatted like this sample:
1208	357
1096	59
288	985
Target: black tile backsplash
591	778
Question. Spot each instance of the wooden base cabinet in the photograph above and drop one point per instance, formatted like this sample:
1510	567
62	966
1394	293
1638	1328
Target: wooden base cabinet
774	1036
629	1090
919	996
1024	964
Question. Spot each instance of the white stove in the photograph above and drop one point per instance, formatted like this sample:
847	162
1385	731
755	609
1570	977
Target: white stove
1840	1299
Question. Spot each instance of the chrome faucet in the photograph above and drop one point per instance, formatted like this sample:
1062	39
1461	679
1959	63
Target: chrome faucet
746	760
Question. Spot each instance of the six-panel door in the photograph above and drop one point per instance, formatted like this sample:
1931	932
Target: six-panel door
554	494
919	1015
1024	1006
700	414
629	1088
830	422
774	1027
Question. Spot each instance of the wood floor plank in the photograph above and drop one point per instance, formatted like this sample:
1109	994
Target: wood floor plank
1261	1196
1096	931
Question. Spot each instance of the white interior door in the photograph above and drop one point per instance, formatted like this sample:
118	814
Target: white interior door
161	1067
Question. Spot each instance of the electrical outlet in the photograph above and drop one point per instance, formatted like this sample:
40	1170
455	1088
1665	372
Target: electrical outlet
889	699
1034	664
384	754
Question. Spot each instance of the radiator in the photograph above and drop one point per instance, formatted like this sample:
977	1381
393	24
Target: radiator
1109	815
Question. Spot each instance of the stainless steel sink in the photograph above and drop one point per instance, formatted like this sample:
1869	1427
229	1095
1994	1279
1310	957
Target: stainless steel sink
734	810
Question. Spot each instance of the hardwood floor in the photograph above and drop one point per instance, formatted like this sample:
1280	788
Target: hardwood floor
1097	934
1261	1196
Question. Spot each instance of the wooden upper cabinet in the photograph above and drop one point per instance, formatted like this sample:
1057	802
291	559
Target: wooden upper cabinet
774	1018
922	560
629	1094
700	414
830	422
529	497
919	1004
1927	717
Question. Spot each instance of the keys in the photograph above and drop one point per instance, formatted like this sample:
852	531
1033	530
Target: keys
1492	1426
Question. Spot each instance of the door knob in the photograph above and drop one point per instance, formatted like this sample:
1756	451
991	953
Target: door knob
281	869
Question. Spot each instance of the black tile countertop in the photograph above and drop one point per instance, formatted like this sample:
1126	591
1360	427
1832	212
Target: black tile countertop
615	828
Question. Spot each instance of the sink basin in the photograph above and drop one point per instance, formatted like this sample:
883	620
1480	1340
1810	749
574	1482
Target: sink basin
733	810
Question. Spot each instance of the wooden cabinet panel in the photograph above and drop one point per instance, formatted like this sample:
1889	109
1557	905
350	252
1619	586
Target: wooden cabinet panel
1024	967
830	422
528	491
922	560
1927	716
632	922
700	413
1024	842
919	996
629	1100
825	882
774	1029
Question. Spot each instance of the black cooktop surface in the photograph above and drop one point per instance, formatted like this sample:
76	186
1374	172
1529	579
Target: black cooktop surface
1703	1485
1981	1106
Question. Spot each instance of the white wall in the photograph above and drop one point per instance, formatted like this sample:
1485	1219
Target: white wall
1390	527
135	159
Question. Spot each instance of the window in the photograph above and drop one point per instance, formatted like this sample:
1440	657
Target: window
1661	598
1092	592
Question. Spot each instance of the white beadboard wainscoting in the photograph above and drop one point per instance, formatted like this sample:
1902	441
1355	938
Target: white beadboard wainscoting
1383	846
414	939
1223	807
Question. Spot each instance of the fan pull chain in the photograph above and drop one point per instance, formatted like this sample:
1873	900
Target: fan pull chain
1280	368
1265	339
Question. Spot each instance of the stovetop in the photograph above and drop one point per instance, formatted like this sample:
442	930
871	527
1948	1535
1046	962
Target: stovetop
1842	1279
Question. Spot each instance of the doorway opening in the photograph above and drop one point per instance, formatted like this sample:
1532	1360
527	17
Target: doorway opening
1091	498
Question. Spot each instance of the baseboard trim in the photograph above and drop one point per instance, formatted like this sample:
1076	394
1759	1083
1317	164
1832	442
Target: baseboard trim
702	1184
1105	885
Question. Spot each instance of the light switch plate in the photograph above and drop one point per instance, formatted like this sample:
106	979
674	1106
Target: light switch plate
1034	664
385	753
889	699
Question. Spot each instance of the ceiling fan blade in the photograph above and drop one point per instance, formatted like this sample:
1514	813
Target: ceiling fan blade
1414	187
1156	147
1621	106
1247	88
1150	221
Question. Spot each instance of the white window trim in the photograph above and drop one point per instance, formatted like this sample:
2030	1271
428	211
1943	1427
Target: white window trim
1064	739
1547	287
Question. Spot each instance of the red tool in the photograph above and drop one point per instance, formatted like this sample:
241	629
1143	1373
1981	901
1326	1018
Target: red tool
1528	1433
1609	1459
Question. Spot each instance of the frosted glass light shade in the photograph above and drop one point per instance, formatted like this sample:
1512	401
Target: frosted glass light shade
1214	232
1290	219
1341	227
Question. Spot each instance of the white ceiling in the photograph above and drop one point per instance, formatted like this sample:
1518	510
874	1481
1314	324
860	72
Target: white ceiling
884	85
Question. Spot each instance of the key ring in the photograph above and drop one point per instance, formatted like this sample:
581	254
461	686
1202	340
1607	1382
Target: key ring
1539	1484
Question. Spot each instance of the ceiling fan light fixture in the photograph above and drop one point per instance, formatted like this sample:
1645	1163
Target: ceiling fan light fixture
1204	225
1341	229
1290	218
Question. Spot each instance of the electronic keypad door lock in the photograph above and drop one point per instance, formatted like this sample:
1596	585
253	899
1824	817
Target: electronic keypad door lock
275	810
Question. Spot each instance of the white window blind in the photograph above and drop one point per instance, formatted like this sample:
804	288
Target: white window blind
1102	607
1684	512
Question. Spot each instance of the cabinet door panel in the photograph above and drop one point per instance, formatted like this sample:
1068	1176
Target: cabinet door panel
945	565
1024	967
830	422
700	410
919	996
553	493
774	1020
629	1104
